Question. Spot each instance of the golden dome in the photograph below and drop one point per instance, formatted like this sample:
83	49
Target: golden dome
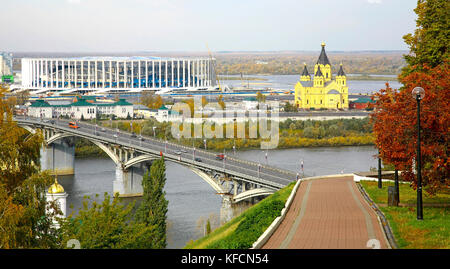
55	187
323	44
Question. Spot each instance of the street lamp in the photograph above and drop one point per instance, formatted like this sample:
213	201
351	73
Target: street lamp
154	133
204	141
267	161
380	182
419	93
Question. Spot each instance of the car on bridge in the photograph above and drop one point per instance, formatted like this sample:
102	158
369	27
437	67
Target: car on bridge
133	134
73	125
198	159
220	156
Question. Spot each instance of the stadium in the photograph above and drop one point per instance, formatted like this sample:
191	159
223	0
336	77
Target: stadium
118	74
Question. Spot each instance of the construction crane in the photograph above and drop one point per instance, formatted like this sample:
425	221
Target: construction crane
214	67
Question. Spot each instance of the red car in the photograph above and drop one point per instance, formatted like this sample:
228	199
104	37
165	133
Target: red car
74	125
220	156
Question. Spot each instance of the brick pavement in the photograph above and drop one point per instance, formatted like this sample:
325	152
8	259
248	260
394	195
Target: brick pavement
328	213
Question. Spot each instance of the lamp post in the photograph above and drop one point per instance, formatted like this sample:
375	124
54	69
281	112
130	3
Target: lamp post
267	161
301	166
419	93
259	170
380	182
204	142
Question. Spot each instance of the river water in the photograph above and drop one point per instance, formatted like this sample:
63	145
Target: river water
287	82
191	199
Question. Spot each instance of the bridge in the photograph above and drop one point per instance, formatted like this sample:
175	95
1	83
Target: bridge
234	179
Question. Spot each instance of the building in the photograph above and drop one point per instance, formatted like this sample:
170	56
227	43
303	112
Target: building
166	114
117	74
362	103
250	103
6	67
322	91
82	108
143	112
56	194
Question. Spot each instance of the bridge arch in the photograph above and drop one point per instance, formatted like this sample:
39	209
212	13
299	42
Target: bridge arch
252	193
138	159
58	136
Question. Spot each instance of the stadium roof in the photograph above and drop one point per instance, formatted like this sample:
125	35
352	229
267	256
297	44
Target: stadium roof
119	58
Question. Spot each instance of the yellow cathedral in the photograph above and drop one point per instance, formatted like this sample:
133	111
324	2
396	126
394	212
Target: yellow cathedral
322	91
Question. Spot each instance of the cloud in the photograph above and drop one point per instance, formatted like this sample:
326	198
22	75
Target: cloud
374	1
74	1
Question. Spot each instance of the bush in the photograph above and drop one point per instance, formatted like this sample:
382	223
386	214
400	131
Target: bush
249	230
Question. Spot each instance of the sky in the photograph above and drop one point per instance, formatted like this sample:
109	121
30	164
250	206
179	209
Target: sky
196	25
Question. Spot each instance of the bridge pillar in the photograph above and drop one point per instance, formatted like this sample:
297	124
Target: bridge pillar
226	211
128	182
59	156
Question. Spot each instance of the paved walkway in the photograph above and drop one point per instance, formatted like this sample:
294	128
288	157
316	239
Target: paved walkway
328	214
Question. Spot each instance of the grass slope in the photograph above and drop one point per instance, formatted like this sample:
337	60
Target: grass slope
242	231
431	233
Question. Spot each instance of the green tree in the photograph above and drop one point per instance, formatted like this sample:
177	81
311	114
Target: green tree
208	227
153	209
310	132
334	130
108	225
430	42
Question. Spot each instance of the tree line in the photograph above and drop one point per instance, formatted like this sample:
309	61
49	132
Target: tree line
293	64
292	133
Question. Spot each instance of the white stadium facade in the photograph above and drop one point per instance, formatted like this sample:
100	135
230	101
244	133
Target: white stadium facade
117	74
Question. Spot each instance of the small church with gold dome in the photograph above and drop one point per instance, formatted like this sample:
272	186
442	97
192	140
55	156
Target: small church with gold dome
322	91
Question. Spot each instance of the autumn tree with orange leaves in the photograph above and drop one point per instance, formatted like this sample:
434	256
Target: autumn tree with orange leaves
23	219
395	126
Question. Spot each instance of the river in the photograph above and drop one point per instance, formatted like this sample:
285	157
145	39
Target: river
192	199
287	82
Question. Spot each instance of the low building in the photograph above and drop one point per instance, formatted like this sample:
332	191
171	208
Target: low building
40	109
362	103
166	114
81	109
143	112
250	103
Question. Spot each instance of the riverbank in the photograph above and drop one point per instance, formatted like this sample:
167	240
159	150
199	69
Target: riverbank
85	149
431	233
292	134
